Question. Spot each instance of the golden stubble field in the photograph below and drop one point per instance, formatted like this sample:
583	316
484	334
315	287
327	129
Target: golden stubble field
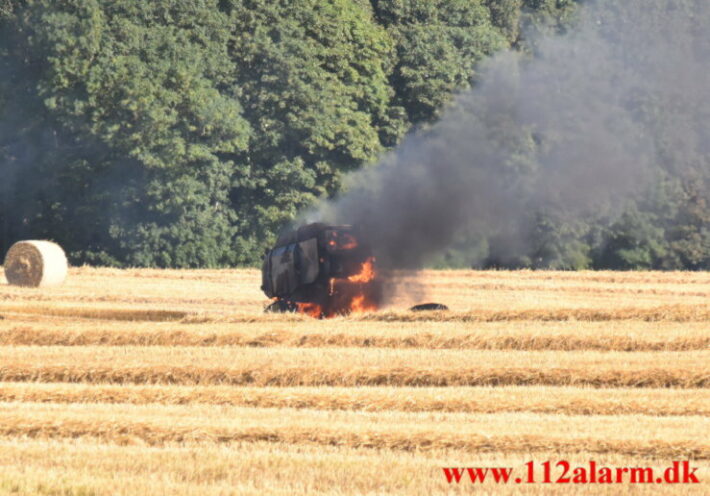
128	382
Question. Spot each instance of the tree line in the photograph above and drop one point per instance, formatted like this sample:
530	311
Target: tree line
188	133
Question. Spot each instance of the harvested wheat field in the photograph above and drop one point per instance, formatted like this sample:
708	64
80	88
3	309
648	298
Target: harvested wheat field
135	382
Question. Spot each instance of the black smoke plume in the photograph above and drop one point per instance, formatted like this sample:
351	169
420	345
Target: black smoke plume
571	128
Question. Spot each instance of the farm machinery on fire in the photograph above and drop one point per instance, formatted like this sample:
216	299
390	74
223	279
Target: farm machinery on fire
321	270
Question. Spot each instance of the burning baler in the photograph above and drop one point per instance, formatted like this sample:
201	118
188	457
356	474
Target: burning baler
322	270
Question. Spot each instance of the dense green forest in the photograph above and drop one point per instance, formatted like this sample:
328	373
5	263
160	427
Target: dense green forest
188	133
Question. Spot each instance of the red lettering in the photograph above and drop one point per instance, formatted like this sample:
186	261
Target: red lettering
605	475
477	473
672	474
580	476
531	473
501	474
453	474
563	479
689	476
620	474
641	475
546	472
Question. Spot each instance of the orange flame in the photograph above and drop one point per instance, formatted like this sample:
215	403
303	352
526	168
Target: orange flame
360	304
343	242
367	272
312	309
349	243
359	292
355	294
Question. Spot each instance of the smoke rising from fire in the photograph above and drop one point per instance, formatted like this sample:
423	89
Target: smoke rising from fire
571	128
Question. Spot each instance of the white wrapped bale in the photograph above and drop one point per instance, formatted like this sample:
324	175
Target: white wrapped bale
36	264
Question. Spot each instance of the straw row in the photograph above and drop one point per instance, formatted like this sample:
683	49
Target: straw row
353	367
537	399
630	435
479	339
662	313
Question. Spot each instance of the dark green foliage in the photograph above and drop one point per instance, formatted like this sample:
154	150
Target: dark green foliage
506	14
312	77
182	134
438	45
133	113
634	242
186	134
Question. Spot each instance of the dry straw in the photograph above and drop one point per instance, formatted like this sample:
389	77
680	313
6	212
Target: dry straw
35	264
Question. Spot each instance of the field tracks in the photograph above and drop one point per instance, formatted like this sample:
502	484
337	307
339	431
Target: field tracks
605	366
562	337
535	399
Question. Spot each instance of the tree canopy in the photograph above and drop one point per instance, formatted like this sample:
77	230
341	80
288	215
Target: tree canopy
187	133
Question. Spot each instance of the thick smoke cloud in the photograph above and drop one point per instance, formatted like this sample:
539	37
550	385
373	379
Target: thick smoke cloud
571	128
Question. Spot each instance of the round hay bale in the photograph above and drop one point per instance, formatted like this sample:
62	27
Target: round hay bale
36	264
